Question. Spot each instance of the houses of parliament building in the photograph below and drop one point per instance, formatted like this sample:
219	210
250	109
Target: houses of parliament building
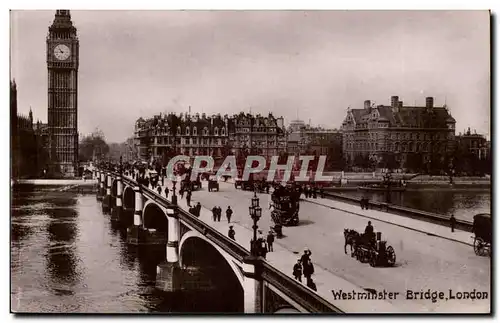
51	150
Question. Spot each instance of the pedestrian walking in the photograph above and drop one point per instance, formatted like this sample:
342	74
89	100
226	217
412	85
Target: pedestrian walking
229	213
181	192
297	271
166	192
261	245
270	241
231	234
307	265
364	203
219	213
305	256
214	213
453	222
308	270
188	198
159	189
198	209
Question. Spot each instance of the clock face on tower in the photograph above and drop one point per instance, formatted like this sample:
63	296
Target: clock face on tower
62	52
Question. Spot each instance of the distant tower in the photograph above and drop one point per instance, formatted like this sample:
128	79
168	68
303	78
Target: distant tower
62	65
31	117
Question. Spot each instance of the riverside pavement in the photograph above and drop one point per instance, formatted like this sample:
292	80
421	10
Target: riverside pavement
405	222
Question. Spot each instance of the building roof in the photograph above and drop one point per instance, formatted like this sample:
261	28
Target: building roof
407	116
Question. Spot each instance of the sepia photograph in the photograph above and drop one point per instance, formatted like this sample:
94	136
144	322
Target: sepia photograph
250	161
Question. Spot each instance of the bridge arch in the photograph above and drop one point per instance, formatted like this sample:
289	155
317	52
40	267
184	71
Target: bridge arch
195	250
129	198
154	217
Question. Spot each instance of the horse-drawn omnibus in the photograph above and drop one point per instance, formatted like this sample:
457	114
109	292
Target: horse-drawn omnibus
285	205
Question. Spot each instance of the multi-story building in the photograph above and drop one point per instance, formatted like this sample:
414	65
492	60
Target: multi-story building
131	150
214	135
293	141
375	130
320	140
185	134
474	143
304	138
296	125
258	135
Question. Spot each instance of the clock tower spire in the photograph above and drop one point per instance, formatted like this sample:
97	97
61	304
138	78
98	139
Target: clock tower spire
62	66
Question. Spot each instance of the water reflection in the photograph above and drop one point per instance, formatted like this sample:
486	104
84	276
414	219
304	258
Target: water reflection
61	260
464	203
69	257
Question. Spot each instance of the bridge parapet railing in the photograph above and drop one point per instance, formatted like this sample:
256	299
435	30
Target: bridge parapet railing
464	224
301	294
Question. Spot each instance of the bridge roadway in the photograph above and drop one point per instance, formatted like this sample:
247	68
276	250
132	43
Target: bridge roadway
423	261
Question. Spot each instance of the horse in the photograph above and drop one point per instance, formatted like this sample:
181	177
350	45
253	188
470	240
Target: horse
352	238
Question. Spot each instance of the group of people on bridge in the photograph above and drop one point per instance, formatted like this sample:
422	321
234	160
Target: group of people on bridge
304	266
217	213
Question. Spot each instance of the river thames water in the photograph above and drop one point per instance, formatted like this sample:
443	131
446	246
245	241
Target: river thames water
66	256
463	202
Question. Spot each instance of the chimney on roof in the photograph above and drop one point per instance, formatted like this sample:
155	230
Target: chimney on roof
394	101
367	104
429	102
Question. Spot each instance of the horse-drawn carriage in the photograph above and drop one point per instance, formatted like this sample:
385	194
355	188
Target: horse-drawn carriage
369	248
213	183
482	234
260	186
251	184
188	185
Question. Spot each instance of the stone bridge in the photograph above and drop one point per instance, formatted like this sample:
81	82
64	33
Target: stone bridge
198	257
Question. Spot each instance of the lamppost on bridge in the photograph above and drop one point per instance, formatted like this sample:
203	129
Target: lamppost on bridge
255	213
174	197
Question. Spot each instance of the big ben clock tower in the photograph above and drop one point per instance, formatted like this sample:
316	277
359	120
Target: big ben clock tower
62	65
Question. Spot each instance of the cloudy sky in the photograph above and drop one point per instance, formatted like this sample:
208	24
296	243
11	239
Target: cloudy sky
314	63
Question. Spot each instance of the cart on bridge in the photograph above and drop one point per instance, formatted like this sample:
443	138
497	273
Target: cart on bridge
188	185
213	183
370	248
482	234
